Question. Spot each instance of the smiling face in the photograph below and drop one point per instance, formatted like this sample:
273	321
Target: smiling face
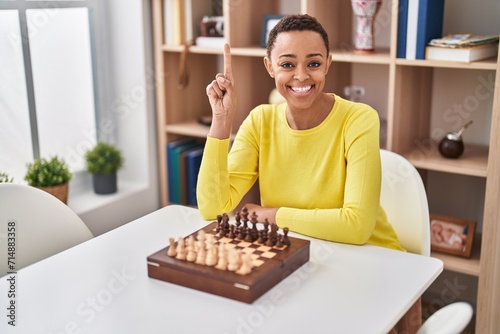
299	63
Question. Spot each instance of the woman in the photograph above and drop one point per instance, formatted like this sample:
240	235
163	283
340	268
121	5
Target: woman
316	155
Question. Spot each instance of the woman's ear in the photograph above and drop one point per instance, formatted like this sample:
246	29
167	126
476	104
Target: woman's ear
269	66
328	63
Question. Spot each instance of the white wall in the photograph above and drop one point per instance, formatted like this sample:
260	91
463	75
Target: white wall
129	95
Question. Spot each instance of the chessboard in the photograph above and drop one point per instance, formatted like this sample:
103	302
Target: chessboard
233	260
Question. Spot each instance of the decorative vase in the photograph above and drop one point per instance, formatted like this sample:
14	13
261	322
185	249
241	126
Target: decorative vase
365	11
60	191
105	184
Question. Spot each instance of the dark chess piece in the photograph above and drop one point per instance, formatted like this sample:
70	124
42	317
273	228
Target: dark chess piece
254	231
219	220
261	240
266	225
286	241
279	241
237	217
231	232
241	233
248	237
225	222
244	216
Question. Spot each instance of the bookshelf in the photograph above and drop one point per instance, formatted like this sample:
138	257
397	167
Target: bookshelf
407	98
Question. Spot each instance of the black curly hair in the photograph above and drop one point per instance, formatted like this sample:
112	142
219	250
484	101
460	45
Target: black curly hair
300	22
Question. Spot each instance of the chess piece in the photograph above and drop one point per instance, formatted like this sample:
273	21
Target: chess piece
231	232
248	237
218	226
286	241
244	216
191	253
222	260
233	260
279	241
211	259
201	255
171	250
246	265
181	249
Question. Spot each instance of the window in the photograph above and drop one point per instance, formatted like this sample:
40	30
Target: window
48	100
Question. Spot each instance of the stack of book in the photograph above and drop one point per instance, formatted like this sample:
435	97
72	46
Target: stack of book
183	164
462	47
419	21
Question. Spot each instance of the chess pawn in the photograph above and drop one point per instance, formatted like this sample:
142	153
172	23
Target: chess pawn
211	258
201	236
222	261
233	260
181	249
171	250
191	254
246	265
201	255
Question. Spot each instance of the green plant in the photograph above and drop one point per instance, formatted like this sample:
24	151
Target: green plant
47	173
4	178
103	159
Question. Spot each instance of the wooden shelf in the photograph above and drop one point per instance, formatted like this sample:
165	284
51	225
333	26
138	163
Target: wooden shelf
473	162
189	129
487	64
380	56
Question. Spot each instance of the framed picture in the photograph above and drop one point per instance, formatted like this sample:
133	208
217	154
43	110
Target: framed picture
452	235
268	23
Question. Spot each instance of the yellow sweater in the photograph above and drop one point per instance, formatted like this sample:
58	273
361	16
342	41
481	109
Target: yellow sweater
325	180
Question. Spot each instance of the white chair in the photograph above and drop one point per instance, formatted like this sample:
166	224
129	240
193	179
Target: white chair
404	200
44	225
451	319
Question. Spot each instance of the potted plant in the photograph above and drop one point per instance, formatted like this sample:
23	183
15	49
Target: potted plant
51	175
5	178
103	161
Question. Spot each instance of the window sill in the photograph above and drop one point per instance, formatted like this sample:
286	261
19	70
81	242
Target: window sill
84	200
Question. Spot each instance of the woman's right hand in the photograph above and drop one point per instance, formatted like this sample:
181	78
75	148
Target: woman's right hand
222	98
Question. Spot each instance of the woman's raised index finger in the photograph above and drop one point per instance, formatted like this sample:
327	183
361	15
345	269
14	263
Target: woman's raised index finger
228	71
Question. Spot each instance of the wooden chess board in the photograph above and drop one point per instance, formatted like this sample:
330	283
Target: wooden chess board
270	266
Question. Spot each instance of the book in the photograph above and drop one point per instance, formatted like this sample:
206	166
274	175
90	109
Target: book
174	25
173	150
463	40
193	162
424	23
411	29
429	24
402	25
464	54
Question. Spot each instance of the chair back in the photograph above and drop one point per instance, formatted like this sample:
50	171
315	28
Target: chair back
41	223
404	200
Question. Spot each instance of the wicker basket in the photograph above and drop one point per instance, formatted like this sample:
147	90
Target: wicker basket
60	191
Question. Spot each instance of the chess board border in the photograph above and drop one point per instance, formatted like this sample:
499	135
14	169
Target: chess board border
244	288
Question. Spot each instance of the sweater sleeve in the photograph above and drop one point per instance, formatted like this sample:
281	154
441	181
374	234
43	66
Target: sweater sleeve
355	221
224	178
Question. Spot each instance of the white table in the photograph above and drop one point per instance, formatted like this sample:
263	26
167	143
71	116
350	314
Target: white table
102	286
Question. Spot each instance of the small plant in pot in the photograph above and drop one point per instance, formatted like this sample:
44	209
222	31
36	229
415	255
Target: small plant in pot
51	175
103	161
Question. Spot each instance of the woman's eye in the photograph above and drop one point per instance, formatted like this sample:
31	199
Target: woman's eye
315	64
286	65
